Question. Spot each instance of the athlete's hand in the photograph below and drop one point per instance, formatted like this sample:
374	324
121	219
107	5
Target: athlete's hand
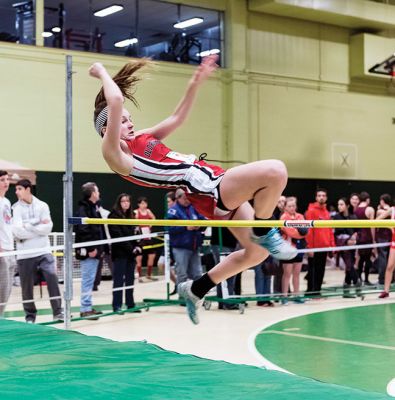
96	70
205	69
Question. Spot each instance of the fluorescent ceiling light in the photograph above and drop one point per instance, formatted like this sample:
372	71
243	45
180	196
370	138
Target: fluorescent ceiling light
46	34
56	29
108	11
188	22
126	42
208	52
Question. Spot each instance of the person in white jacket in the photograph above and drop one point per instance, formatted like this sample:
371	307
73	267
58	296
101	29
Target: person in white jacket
31	225
7	263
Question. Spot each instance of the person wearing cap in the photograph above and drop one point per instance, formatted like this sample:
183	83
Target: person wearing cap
185	241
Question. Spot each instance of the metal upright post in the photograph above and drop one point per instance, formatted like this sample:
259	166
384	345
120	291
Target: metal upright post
68	199
167	264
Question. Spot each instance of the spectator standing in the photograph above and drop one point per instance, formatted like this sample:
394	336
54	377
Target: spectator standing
354	202
6	243
89	256
263	280
170	201
31	226
185	240
278	277
279	208
296	236
123	253
223	243
106	256
143	212
383	235
389	272
347	237
317	238
365	236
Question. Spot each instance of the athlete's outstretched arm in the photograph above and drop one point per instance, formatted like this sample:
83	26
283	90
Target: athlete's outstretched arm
116	159
167	126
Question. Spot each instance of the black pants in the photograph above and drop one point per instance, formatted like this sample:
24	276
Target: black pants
351	275
230	282
278	278
382	259
364	263
316	272
28	269
123	275
105	257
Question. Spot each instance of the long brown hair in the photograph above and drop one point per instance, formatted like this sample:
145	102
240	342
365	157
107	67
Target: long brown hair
126	81
118	208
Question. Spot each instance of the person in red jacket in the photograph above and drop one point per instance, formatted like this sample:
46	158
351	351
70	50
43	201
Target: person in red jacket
316	238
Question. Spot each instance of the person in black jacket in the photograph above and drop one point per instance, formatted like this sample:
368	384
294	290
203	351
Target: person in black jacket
89	256
123	254
347	237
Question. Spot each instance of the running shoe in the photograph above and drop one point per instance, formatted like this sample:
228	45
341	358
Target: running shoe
60	317
192	302
384	295
276	245
284	301
299	300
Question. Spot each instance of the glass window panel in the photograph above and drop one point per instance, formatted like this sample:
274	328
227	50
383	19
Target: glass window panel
17	21
150	21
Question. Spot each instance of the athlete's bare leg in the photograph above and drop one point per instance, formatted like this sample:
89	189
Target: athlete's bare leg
252	254
139	266
150	264
389	272
286	279
296	277
263	181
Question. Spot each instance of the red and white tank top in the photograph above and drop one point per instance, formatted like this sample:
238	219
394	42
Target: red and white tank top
145	229
155	165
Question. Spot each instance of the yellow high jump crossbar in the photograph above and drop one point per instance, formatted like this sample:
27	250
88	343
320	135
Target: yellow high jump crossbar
353	223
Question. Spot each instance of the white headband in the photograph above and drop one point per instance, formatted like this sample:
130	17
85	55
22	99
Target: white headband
101	120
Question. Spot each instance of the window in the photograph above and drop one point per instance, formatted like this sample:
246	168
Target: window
17	21
137	28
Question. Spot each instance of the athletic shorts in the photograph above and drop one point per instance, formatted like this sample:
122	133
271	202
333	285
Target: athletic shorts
147	242
210	205
205	195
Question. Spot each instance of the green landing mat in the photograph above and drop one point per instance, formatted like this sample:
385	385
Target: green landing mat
41	362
